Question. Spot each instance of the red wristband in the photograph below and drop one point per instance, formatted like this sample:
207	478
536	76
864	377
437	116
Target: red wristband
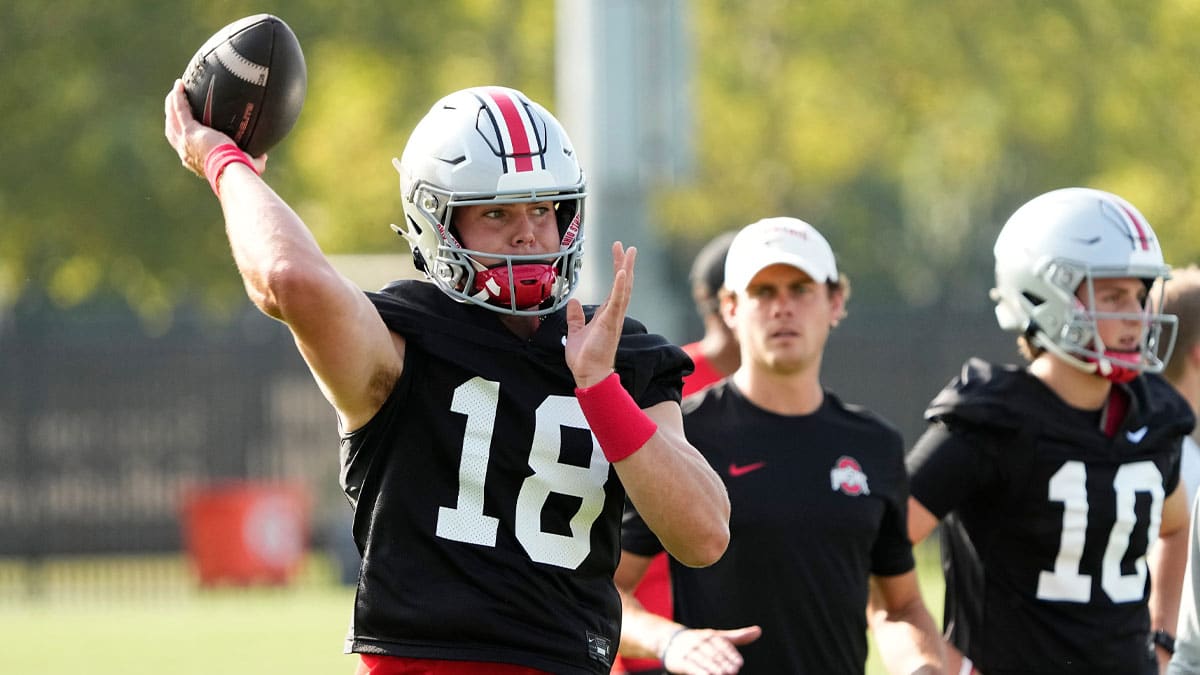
621	427
221	157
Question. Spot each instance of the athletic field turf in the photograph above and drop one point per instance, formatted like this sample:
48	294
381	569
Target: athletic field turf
143	616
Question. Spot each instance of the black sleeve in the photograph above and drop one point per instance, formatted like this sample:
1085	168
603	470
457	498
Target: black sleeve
947	465
651	368
891	554
1175	477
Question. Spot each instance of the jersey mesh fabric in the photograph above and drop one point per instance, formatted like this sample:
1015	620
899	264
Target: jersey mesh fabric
508	556
393	665
1047	519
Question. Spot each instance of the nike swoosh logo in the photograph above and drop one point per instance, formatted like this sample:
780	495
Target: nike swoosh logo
735	470
1136	436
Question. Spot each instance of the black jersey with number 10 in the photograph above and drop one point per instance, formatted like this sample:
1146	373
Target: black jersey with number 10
1049	519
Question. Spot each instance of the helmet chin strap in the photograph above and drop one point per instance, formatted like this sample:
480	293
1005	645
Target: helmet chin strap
1111	366
1109	363
1107	366
1110	369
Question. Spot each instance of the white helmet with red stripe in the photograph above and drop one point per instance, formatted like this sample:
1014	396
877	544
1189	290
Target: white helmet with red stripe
491	145
1060	240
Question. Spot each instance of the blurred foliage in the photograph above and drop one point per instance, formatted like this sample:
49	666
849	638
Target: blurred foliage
93	202
906	132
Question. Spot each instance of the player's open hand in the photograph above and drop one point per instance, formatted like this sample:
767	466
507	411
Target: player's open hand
192	140
592	346
704	651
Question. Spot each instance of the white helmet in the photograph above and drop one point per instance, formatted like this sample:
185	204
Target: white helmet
1060	240
491	145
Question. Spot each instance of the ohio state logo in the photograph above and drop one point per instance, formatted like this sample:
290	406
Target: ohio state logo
847	476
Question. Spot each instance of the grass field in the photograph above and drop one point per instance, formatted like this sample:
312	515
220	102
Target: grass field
149	619
95	617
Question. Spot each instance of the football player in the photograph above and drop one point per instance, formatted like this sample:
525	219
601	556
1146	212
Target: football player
1053	479
818	489
490	425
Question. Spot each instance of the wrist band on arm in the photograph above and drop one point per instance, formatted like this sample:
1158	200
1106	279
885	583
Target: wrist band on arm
967	666
620	426
219	158
662	653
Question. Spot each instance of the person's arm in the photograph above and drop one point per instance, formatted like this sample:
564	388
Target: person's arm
907	637
1186	660
678	494
643	633
921	522
684	651
351	353
1167	560
673	488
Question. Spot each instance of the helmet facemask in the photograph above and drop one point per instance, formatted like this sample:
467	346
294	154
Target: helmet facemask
492	146
1061	242
1074	335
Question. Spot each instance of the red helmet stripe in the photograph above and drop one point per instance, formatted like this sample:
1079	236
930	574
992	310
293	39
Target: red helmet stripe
515	123
1139	227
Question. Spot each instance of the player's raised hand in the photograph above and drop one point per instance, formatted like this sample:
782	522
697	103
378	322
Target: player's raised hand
192	140
704	651
592	346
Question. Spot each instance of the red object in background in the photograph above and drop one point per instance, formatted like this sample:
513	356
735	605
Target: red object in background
246	533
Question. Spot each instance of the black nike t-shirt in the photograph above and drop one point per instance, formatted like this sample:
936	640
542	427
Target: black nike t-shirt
818	504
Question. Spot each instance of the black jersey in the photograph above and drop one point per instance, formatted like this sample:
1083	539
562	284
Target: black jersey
486	514
1049	519
818	503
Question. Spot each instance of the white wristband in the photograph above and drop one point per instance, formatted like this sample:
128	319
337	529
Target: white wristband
967	667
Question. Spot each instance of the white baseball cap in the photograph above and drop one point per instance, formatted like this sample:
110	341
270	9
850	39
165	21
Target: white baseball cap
778	240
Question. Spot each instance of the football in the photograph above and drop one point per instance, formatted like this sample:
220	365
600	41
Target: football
248	81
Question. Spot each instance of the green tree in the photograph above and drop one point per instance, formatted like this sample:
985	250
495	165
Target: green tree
906	131
92	199
909	131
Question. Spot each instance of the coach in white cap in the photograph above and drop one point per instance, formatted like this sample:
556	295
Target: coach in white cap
761	258
817	489
790	241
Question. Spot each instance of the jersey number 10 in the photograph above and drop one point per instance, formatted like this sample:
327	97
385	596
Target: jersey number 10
1069	486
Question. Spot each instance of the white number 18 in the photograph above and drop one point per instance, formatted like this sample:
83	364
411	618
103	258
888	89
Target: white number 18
478	399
